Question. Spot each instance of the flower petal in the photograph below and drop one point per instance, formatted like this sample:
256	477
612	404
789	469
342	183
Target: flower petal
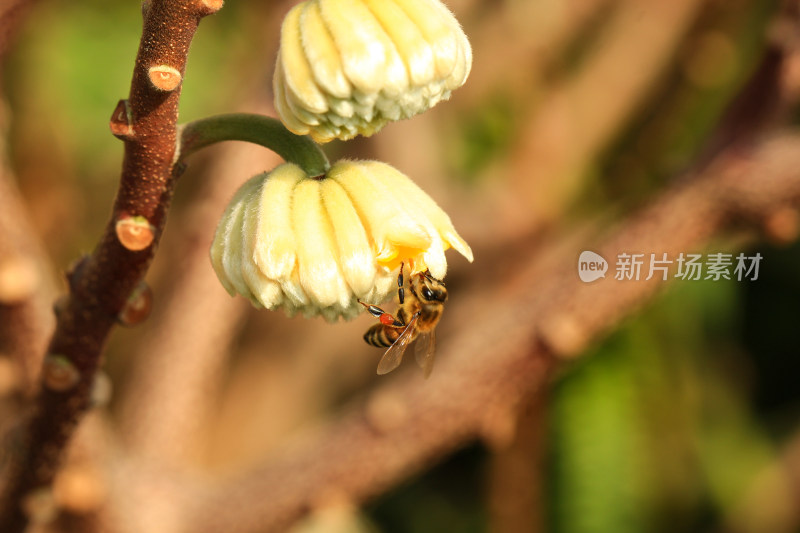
463	66
297	71
223	234
435	260
321	52
295	103
368	56
388	223
232	256
460	245
407	38
266	291
398	182
282	103
437	24
294	291
384	288
274	246
318	265
356	257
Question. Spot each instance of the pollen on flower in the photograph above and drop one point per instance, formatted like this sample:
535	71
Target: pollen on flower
318	246
347	68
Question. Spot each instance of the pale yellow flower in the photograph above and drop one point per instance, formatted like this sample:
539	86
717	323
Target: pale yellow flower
347	67
318	246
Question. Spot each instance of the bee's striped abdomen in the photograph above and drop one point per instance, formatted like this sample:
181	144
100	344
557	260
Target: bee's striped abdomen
382	336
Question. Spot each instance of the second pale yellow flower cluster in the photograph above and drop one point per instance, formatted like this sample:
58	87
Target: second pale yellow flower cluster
319	245
347	67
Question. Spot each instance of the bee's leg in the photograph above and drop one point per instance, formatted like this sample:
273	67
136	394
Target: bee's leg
401	295
385	318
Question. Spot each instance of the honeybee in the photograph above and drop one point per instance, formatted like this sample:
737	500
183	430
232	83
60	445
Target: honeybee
419	312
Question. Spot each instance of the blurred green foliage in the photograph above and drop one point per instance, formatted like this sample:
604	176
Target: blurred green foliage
449	497
483	136
86	50
88	53
636	422
719	56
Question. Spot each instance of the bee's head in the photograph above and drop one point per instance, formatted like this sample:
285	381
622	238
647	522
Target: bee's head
431	290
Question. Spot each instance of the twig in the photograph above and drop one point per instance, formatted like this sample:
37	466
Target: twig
102	283
491	367
266	131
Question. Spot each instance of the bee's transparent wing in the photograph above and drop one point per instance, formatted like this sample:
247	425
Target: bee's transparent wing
425	350
394	355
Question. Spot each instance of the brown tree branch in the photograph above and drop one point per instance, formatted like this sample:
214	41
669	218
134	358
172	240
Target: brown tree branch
487	370
102	283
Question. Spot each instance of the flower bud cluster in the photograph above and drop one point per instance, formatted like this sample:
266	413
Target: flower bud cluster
347	67
317	246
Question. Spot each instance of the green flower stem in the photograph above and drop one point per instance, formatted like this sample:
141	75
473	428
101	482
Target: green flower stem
258	129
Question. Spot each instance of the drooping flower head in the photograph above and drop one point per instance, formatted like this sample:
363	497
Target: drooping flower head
318	246
347	67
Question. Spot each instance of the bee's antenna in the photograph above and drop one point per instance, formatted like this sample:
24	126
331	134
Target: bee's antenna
427	274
